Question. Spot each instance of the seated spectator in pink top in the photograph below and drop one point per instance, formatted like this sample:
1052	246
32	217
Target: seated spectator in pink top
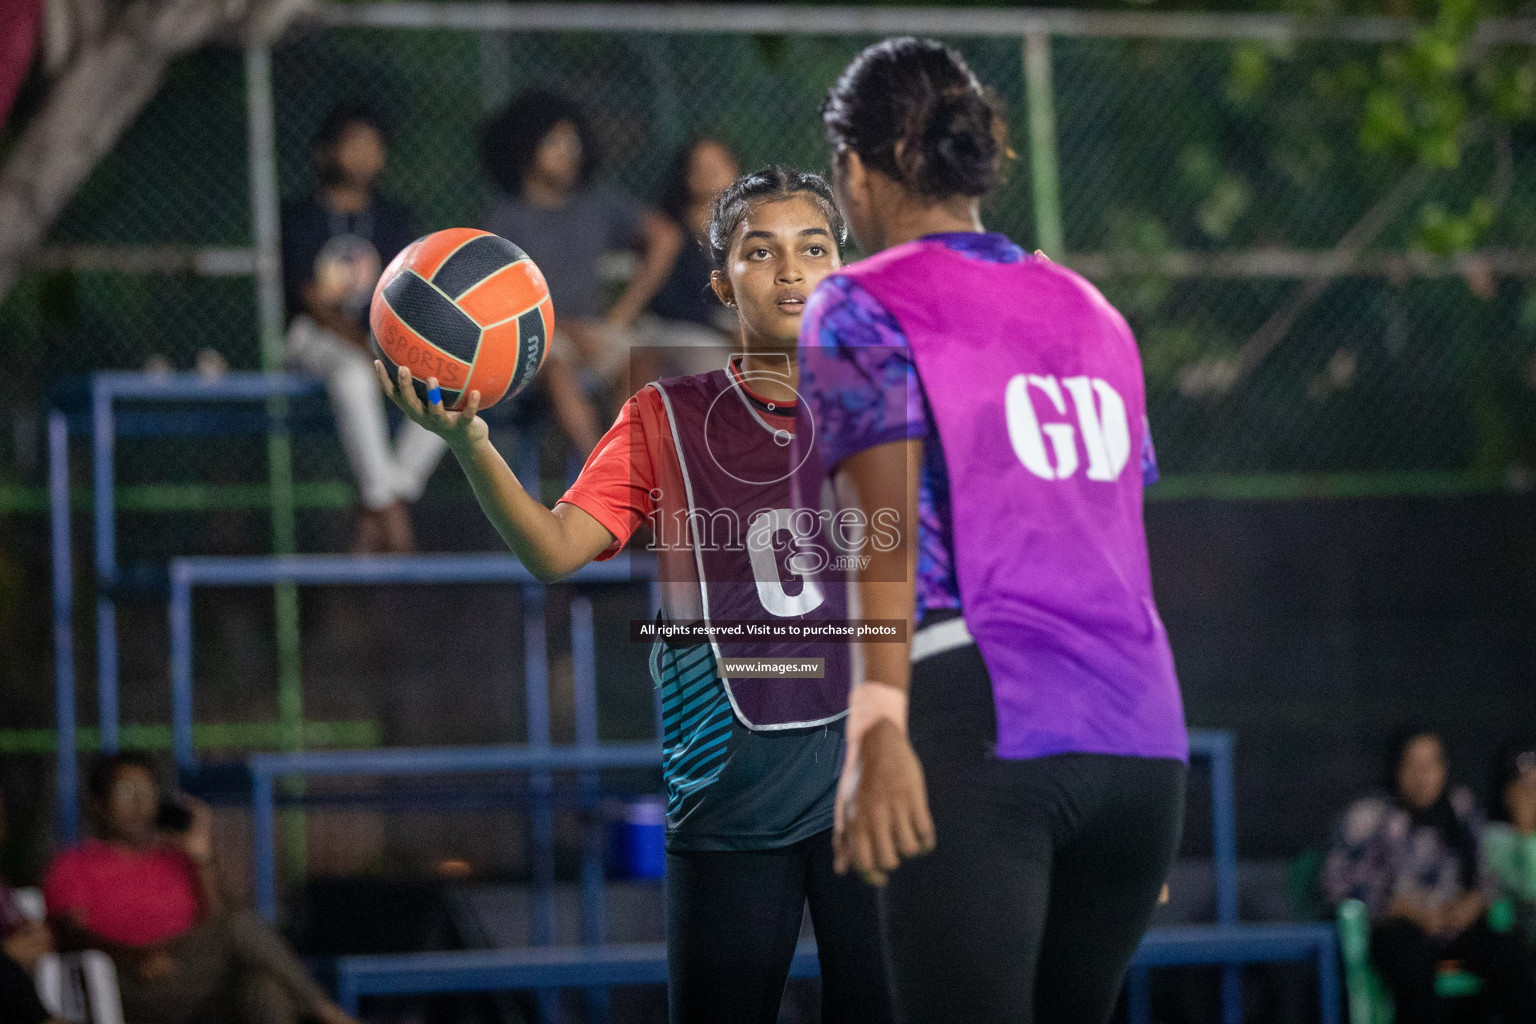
129	895
146	893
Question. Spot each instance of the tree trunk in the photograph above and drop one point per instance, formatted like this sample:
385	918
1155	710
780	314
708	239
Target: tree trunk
109	78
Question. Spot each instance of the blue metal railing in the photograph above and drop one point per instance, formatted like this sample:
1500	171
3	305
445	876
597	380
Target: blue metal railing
104	392
544	970
188	574
426	761
92	406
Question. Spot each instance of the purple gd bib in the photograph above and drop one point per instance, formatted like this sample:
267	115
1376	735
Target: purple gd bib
1034	382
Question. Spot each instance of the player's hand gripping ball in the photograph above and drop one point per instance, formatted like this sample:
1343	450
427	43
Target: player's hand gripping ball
466	308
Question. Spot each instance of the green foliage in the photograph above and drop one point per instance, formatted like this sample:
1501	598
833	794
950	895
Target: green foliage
1249	73
1442	232
1431	98
1420	100
1196	151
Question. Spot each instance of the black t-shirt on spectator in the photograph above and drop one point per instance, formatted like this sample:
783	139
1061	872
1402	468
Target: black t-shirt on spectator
348	250
686	295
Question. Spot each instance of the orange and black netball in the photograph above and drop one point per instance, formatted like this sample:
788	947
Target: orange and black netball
467	307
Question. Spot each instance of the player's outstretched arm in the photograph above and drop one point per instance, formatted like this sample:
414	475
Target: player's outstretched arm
551	544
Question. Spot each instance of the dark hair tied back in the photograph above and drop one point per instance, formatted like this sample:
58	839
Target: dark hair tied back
958	154
767	185
913	110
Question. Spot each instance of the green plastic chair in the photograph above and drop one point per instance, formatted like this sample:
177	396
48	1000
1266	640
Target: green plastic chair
1367	996
1303	885
1369	1000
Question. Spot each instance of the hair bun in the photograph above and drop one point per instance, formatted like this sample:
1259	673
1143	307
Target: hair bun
959	145
913	109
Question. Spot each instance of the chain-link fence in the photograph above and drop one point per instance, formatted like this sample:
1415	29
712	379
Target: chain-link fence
1205	183
1211	180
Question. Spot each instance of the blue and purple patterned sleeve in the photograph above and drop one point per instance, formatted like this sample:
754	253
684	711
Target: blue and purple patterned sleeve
857	377
1149	473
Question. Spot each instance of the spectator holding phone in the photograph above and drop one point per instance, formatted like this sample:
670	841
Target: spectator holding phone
147	894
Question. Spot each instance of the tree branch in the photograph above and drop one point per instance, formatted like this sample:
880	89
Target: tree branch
111	74
1220	376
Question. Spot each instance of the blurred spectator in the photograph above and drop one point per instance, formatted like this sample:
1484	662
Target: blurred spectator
22	945
539	151
1412	857
336	243
146	893
1509	843
695	332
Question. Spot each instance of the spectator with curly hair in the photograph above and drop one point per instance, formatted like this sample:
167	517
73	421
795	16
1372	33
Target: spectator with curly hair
541	154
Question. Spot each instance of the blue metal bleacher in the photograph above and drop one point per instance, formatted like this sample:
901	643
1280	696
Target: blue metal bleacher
91	407
1227	943
498	970
1231	945
104	407
94	407
538	758
545	968
188	574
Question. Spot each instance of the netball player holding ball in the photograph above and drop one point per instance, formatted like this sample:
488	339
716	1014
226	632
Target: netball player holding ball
997	401
750	764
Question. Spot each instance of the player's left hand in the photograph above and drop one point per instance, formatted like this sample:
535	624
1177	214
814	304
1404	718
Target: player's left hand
462	429
881	816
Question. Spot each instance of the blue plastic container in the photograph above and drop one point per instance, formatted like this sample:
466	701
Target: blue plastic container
637	839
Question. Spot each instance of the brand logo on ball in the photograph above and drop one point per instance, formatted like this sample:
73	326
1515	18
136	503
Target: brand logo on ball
533	352
424	360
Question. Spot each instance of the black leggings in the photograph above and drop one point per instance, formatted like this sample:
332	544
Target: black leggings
733	920
1045	873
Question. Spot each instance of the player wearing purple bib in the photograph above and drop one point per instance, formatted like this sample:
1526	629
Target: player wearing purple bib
1021	808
